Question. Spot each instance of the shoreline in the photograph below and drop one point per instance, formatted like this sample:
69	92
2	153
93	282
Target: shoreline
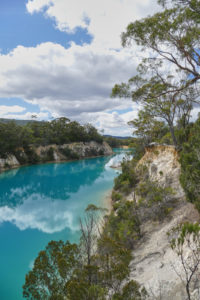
107	201
2	170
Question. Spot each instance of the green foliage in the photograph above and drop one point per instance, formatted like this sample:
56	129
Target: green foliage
52	269
164	28
185	242
131	291
68	153
128	178
61	131
172	37
21	156
183	231
124	225
64	271
151	192
190	165
156	202
147	128
82	290
116	196
113	261
32	156
115	142
50	154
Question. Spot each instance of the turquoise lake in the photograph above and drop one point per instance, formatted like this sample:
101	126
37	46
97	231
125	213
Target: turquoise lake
41	203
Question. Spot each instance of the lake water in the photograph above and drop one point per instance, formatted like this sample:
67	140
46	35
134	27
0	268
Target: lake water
44	202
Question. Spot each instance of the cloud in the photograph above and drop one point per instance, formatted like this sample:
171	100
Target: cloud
40	212
105	20
77	82
4	110
18	112
26	116
73	82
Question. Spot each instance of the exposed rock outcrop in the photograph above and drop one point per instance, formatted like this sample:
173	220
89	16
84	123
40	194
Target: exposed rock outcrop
155	266
9	162
56	153
164	167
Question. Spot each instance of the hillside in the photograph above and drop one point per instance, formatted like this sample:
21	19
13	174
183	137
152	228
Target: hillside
155	265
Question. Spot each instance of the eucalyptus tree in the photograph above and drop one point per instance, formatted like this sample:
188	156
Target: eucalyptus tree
147	129
172	36
167	83
158	100
192	4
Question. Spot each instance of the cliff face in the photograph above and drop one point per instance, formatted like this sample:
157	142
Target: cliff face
155	265
163	167
79	150
56	153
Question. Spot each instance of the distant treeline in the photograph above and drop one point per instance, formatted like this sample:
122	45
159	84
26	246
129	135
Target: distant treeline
59	131
117	142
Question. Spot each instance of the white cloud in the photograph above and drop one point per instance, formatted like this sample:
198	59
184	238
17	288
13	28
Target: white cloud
40	212
37	5
26	116
4	110
77	82
73	82
104	19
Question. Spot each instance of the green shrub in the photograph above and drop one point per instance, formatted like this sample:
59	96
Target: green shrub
50	154
68	153
32	156
21	157
7	166
124	226
116	196
190	166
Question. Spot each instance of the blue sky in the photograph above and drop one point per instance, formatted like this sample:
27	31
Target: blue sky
18	27
62	58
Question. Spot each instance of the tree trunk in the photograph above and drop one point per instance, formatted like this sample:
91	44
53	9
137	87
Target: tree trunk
188	291
171	128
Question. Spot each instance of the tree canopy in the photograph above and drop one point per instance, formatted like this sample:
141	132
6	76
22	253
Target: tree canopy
167	80
59	131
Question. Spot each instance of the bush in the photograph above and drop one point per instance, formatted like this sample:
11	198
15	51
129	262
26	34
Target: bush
50	154
32	156
190	166
124	225
68	153
116	196
21	157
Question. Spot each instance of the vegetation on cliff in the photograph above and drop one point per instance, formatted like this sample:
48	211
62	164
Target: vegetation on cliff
59	131
93	269
97	268
190	164
22	141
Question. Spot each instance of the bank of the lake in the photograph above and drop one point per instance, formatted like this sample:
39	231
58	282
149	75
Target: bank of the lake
40	203
53	153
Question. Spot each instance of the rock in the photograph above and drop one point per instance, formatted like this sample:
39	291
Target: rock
155	265
54	153
156	259
164	167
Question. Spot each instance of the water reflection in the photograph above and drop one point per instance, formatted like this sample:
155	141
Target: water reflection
50	180
52	197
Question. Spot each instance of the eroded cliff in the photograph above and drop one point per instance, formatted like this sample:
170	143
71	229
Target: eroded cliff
155	265
55	153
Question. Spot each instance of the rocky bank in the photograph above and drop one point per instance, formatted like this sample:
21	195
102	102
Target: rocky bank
155	266
57	153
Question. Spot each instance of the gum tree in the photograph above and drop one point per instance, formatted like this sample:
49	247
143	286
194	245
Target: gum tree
167	83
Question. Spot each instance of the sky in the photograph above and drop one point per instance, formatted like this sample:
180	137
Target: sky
62	58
